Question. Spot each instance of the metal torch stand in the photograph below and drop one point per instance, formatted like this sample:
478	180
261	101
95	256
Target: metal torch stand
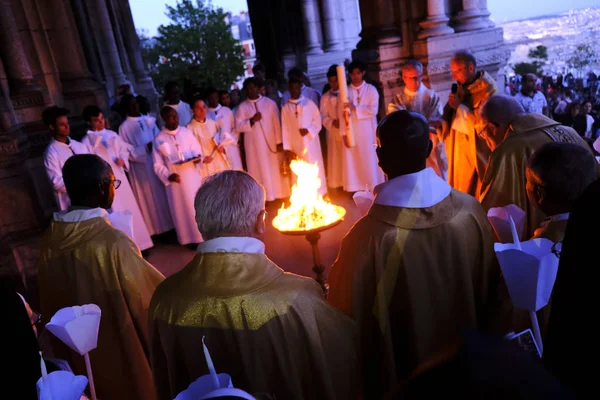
319	269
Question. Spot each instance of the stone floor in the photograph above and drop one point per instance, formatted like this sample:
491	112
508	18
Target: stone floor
291	253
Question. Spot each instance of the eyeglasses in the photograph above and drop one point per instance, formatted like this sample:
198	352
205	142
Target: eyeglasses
35	318
116	182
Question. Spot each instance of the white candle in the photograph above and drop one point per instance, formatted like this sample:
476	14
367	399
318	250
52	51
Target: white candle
341	76
513	229
211	366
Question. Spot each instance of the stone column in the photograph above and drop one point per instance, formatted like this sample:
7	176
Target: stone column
332	24
109	54
143	82
16	65
473	16
311	27
351	23
436	23
87	41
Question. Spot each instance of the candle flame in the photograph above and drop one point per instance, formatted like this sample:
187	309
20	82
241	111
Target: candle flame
308	210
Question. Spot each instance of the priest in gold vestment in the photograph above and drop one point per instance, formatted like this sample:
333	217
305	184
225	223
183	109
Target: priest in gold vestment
272	331
466	151
419	268
85	260
514	136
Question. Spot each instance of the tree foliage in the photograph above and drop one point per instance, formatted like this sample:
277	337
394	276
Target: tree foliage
524	68
539	54
196	46
583	58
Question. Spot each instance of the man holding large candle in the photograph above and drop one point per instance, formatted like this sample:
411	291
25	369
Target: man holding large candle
359	161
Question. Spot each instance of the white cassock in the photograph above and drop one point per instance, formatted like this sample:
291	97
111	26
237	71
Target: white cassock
55	157
147	188
109	146
225	120
208	136
303	114
427	103
169	148
260	142
330	111
360	169
183	110
307	91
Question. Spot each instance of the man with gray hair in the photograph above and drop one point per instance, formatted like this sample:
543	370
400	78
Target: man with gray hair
272	331
513	136
416	97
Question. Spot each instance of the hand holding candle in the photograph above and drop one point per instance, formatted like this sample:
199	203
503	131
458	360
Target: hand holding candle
347	123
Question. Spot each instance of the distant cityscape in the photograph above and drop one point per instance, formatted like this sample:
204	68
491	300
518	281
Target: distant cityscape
561	34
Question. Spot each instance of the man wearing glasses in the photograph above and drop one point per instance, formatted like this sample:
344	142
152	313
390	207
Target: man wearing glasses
85	260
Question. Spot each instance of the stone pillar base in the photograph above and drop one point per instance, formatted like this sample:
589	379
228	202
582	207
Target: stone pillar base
318	66
472	20
436	25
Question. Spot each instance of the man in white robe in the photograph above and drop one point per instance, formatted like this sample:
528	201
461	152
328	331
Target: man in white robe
225	120
109	146
139	132
360	166
173	100
331	114
416	97
175	153
258	118
60	148
207	134
300	127
307	91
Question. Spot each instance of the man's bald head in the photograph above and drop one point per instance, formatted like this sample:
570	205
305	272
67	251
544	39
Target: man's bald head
499	112
557	174
404	143
89	181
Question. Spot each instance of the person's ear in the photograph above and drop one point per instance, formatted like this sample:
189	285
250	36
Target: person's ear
429	147
260	225
540	193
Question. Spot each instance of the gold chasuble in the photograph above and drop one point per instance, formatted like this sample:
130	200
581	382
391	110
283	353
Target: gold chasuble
468	153
89	261
272	331
414	279
505	180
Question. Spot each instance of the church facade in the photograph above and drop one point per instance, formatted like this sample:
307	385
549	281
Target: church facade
76	52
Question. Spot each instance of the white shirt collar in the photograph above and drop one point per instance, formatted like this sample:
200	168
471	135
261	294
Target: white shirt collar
217	108
359	86
134	118
68	144
409	92
255	100
418	190
169	132
232	244
296	101
80	215
175	106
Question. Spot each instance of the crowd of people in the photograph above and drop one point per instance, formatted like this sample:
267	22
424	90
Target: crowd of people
417	305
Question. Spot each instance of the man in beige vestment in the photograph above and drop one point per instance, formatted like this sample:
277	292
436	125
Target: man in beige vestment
514	136
419	268
467	152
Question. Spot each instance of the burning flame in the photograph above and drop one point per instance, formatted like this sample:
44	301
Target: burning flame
307	210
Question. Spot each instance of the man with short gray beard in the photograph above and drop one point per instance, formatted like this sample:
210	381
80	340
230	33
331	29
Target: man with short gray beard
272	331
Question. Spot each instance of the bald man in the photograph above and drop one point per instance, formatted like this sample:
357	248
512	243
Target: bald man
419	268
513	137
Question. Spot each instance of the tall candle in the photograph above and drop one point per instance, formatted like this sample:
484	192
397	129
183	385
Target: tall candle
211	366
349	132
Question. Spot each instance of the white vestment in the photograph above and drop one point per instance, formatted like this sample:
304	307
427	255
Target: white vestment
208	136
303	114
427	103
308	92
330	111
170	148
109	146
225	120
183	110
55	157
260	141
148	189
360	165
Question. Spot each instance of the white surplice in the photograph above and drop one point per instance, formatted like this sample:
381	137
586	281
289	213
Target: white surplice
308	92
260	142
330	111
360	169
427	103
225	120
207	135
171	147
55	157
183	110
303	114
148	189
109	146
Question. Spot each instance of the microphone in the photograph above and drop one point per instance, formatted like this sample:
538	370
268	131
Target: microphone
454	89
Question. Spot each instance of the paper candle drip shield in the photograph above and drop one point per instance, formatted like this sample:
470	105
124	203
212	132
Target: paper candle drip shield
529	272
61	385
77	327
499	219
